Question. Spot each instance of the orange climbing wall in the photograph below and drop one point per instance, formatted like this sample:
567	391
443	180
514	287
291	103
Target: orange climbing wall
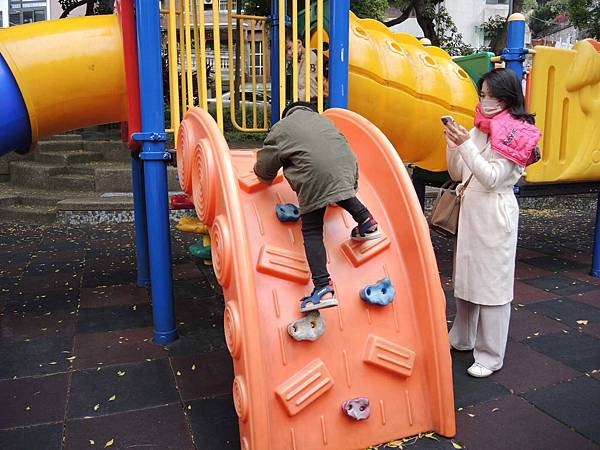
288	394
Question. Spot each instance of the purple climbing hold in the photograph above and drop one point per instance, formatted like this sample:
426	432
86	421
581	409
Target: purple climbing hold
381	293
357	408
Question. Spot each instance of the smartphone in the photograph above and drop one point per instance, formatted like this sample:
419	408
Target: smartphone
447	119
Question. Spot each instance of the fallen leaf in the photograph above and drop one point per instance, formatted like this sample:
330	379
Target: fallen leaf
455	445
178	373
189	407
28	408
193	366
52	363
114	397
71	358
109	443
96	407
134	307
431	436
470	415
537	333
92	442
582	322
120	373
495	409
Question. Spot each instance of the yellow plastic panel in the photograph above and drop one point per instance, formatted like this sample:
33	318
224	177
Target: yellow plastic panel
565	96
71	72
403	88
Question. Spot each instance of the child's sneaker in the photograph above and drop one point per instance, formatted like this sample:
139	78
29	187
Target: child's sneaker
366	231
316	301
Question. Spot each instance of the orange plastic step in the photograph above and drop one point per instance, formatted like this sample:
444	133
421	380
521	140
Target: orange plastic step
289	394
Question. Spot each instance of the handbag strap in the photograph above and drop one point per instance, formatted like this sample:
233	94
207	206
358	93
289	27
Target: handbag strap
464	187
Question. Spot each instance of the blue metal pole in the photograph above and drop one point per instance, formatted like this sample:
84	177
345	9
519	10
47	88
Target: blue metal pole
275	104
339	29
141	228
515	51
155	160
596	259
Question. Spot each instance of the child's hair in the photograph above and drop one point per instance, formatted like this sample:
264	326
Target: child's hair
303	105
289	35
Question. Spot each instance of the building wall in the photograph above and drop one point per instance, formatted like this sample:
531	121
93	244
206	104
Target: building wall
56	10
4	13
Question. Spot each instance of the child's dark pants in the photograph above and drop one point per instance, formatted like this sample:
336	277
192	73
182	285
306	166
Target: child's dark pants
312	231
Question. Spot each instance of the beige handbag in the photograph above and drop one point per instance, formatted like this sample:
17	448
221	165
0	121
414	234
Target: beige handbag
445	211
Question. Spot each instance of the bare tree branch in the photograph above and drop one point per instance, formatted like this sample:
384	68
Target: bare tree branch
71	7
405	15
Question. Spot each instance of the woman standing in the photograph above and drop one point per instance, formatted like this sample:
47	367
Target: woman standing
488	160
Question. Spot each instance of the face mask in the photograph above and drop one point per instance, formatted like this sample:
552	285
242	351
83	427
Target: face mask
490	106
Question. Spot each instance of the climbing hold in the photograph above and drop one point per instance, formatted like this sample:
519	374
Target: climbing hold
380	293
201	249
357	408
181	201
191	225
287	212
310	328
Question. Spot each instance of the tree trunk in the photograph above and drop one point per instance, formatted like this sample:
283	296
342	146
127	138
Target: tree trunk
89	9
425	22
498	43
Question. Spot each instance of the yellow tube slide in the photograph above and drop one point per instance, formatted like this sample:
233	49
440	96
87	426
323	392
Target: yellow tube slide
70	71
403	88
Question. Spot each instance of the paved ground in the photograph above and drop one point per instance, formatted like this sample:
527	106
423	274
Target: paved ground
78	369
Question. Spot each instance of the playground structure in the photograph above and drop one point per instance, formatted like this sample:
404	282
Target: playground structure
110	69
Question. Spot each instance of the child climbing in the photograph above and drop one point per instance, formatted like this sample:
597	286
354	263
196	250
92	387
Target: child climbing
321	168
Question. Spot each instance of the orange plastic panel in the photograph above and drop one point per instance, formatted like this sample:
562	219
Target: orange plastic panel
288	394
304	387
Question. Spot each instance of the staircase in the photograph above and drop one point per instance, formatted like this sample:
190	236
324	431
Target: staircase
68	174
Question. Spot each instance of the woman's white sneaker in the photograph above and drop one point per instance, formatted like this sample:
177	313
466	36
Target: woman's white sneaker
478	371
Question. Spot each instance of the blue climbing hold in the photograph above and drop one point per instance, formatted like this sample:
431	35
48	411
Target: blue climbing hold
287	212
381	293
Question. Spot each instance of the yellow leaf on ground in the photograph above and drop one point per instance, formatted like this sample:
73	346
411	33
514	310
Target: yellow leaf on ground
193	366
495	409
96	407
92	442
582	322
109	443
71	358
470	415
178	373
455	445
114	397
120	373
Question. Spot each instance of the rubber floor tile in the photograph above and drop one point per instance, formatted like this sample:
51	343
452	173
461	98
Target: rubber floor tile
46	437
512	423
590	298
192	289
35	283
581	411
111	318
562	348
74	257
469	390
525	324
35	357
560	285
203	375
35	400
525	293
583	275
115	347
109	278
214	423
525	369
127	294
21	327
525	270
121	388
524	254
186	271
161	428
567	311
554	264
43	301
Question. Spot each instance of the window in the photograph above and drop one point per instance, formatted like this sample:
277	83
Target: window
223	4
496	2
26	11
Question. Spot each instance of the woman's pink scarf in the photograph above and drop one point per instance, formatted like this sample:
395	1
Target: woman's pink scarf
512	138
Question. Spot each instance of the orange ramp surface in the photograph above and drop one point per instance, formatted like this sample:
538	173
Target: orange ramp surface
288	394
